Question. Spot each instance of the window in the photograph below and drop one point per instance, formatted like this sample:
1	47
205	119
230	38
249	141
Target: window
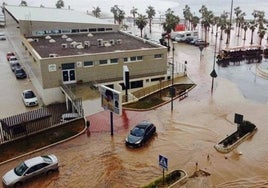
139	58
158	56
101	29
66	31
136	84
133	58
75	31
92	29
103	62
83	30
115	60
88	63
109	29
125	59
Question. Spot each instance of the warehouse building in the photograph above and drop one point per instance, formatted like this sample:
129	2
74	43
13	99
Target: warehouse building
63	46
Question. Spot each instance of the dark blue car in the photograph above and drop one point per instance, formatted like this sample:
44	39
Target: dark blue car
140	134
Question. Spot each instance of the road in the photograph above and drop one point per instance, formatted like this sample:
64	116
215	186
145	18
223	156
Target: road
185	136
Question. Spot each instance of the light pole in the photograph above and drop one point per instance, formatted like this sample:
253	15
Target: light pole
172	90
213	74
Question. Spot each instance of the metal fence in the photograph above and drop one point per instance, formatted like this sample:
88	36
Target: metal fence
24	124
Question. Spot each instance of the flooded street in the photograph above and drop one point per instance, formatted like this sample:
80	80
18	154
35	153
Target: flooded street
185	136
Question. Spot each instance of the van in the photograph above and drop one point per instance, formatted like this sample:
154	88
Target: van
69	116
2	36
182	36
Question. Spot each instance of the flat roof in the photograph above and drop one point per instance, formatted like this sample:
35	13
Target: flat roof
24	13
68	45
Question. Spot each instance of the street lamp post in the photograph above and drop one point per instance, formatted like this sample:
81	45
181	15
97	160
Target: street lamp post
213	74
172	77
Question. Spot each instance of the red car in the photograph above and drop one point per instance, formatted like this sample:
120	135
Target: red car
9	54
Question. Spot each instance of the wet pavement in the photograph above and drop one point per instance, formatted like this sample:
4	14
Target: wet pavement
185	136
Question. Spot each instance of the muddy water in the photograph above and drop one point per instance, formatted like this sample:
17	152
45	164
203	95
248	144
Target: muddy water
185	137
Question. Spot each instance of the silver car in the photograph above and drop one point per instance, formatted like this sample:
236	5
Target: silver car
30	168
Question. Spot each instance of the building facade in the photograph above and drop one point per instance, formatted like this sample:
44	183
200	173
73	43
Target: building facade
69	47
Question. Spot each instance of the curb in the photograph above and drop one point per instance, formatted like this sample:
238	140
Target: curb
45	147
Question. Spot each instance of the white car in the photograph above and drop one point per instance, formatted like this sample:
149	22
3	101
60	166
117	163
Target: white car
13	59
29	98
30	168
3	36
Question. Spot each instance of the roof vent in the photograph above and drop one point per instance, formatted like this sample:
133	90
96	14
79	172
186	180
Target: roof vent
64	36
52	41
48	37
52	55
36	40
69	40
112	42
107	44
119	41
73	44
64	45
90	35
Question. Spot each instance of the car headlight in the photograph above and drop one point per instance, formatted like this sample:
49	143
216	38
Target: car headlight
138	142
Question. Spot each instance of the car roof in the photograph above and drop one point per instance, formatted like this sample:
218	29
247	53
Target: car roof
143	124
34	161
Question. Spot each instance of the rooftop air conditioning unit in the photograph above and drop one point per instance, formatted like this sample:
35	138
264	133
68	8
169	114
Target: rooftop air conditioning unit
36	40
112	42
73	44
119	41
100	42
64	45
86	44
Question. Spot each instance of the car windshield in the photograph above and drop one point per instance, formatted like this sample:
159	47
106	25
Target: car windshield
137	132
29	94
47	159
19	170
19	71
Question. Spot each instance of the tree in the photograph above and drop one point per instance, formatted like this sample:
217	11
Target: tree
170	23
194	21
96	12
60	4
23	3
261	33
150	13
245	27
141	22
206	19
134	11
187	16
252	27
119	15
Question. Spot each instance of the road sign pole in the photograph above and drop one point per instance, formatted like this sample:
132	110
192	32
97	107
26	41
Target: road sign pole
163	177
112	123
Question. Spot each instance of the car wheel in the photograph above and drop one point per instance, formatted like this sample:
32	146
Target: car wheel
50	172
18	184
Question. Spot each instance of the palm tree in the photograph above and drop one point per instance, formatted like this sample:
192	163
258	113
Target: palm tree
187	16
134	11
59	4
261	33
23	3
252	27
150	13
245	27
222	23
114	10
170	23
96	12
206	20
194	21
119	15
141	22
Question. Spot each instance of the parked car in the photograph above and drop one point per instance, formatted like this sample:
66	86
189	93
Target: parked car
14	65
29	98
9	54
30	168
13	59
69	116
20	73
3	36
199	42
141	133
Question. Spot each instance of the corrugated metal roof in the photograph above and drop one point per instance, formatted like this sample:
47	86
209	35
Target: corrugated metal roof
52	15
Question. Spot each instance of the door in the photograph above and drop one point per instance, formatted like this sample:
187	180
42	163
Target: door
68	73
68	76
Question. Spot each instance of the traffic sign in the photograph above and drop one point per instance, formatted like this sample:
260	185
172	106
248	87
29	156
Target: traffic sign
163	162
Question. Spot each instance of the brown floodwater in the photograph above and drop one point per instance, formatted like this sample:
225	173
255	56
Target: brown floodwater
185	137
